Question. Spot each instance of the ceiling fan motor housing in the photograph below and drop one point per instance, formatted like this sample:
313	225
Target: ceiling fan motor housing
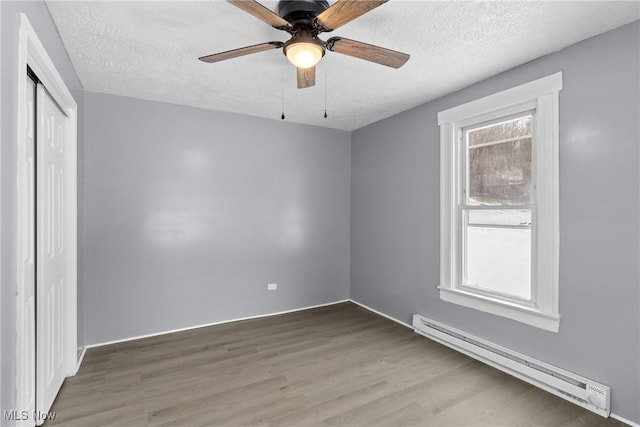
301	10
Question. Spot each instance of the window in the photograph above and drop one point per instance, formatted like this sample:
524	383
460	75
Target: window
499	203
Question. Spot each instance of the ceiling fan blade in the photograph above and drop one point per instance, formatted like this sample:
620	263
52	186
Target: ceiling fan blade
306	77
248	50
261	12
345	11
368	52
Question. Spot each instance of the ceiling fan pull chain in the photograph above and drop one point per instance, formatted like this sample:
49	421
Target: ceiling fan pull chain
325	90
283	67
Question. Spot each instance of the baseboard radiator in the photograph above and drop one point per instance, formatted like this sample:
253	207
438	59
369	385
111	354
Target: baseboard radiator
574	388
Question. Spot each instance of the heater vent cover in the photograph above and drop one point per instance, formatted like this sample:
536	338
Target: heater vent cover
582	391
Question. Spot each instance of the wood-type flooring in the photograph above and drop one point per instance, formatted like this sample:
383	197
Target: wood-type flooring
339	365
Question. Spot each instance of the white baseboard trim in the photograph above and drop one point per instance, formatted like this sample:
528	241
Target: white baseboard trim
624	420
80	359
379	313
221	322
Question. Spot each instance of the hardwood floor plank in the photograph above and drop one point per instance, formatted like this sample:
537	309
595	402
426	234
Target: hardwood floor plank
338	365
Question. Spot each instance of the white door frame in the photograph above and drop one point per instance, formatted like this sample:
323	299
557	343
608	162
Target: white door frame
31	53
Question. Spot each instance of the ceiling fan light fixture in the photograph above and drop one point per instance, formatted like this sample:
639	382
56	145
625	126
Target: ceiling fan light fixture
304	20
304	54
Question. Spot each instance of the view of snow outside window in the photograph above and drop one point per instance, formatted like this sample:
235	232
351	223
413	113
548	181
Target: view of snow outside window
497	210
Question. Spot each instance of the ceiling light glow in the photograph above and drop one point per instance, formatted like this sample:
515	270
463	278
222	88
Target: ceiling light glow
304	54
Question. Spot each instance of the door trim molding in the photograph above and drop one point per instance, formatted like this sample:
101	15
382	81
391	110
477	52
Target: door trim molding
31	52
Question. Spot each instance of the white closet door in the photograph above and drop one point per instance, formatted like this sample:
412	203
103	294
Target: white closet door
51	280
26	344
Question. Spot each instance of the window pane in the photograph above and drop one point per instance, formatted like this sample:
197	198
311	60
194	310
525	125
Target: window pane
518	128
499	163
500	216
499	260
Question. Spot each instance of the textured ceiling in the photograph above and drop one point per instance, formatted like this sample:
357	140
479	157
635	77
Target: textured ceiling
149	50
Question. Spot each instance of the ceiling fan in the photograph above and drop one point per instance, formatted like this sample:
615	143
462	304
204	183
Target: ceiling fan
304	20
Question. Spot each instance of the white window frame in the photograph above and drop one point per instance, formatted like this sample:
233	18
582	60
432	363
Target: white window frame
540	96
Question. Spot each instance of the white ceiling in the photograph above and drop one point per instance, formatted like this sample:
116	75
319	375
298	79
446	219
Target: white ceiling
149	50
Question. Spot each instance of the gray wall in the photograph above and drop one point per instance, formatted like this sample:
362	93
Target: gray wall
395	216
192	212
38	14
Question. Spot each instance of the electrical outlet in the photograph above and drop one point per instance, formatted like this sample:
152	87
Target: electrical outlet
272	287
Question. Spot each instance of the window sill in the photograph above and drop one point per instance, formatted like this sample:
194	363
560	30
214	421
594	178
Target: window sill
530	316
